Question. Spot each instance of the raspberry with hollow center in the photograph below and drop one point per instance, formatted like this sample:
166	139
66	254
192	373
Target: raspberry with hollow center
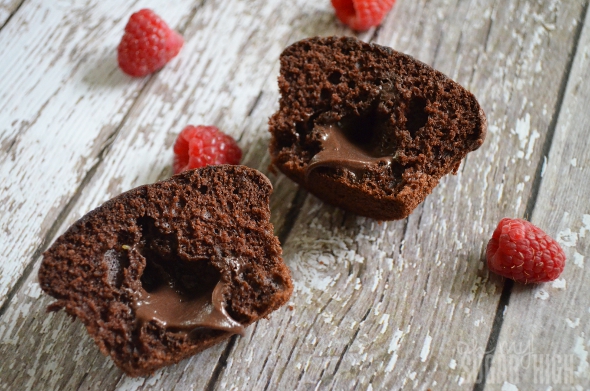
523	252
200	146
147	45
361	15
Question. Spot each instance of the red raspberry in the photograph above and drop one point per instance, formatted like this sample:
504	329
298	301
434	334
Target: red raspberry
200	146
148	44
361	15
523	252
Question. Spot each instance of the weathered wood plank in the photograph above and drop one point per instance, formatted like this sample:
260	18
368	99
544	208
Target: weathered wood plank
545	337
226	76
376	305
389	306
60	104
7	8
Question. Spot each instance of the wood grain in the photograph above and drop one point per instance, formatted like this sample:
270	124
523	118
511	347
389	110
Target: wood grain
377	306
225	76
62	100
7	8
389	306
545	338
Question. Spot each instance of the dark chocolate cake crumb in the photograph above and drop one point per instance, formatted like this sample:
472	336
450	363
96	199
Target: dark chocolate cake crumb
367	128
166	270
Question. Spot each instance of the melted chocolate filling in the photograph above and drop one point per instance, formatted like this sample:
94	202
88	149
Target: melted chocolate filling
179	295
175	311
339	151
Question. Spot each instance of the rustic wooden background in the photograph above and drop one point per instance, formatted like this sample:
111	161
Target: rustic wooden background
399	305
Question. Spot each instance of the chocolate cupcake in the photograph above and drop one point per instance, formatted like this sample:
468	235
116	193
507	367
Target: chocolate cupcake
367	128
166	270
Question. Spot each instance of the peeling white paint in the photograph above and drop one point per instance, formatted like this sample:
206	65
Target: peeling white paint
578	259
153	380
585	225
523	129
572	324
425	348
531	144
394	345
130	383
384	322
541	294
559	284
377	277
509	387
567	238
389	263
357	284
580	351
33	290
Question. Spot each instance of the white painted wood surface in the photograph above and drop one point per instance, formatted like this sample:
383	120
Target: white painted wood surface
7	8
377	306
545	337
62	101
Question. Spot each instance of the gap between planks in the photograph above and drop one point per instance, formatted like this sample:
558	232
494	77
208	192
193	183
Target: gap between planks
67	208
85	181
494	337
283	234
304	198
11	13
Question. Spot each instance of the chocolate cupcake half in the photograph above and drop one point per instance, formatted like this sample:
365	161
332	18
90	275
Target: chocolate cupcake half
367	128
166	270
